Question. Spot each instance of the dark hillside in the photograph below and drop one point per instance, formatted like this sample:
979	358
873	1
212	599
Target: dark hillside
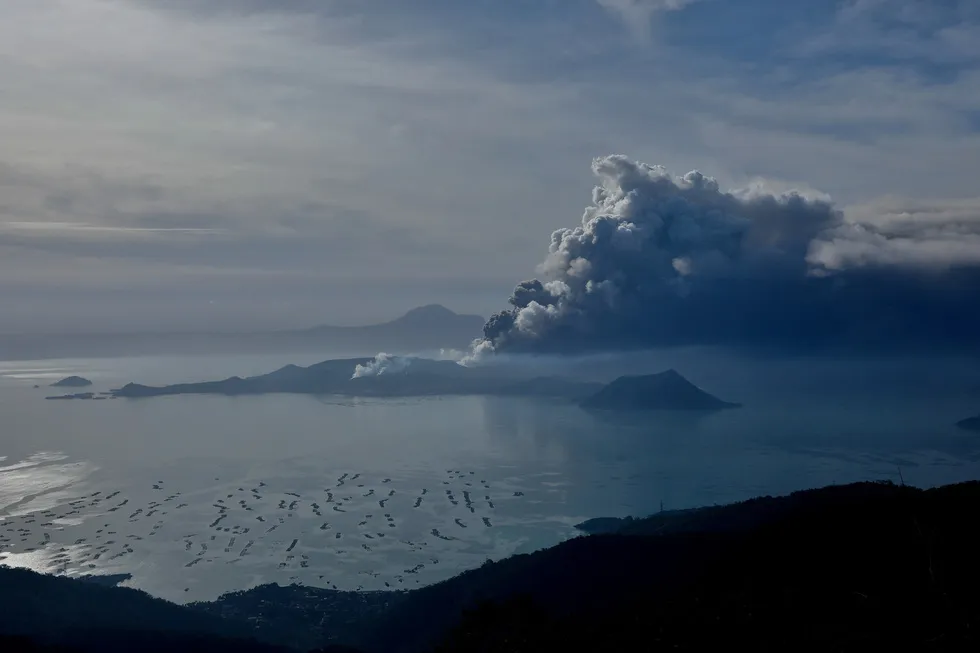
87	616
893	570
849	568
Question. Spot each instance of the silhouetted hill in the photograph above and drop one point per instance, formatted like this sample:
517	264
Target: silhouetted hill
71	382
869	566
863	567
970	423
83	615
734	517
426	327
304	617
859	567
664	391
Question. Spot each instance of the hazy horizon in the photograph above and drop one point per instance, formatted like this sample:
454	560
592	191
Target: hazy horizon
258	326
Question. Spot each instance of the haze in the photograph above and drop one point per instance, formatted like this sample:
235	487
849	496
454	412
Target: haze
254	164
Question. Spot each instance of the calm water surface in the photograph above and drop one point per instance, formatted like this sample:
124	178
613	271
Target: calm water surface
198	495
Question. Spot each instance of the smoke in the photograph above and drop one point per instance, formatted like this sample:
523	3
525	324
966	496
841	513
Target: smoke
382	364
660	260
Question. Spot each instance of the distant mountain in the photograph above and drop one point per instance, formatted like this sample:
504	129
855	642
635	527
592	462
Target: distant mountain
970	423
72	382
426	327
664	391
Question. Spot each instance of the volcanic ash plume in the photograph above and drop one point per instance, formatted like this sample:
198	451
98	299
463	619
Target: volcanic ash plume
662	260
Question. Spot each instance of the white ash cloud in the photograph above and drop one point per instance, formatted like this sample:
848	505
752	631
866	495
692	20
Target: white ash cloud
383	363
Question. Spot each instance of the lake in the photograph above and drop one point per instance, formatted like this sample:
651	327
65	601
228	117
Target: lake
199	495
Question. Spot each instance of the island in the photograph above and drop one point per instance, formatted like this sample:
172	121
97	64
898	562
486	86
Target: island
390	376
72	382
404	377
970	423
664	391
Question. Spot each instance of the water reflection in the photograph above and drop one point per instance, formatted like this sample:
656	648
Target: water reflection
615	461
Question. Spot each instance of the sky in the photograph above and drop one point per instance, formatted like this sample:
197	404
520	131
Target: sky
230	164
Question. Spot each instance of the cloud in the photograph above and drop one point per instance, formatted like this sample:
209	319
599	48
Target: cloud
661	260
907	31
937	235
83	228
287	147
364	147
637	14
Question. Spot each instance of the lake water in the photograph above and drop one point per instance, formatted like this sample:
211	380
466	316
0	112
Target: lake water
198	495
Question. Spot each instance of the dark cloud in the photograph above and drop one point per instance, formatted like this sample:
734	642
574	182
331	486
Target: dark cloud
660	260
